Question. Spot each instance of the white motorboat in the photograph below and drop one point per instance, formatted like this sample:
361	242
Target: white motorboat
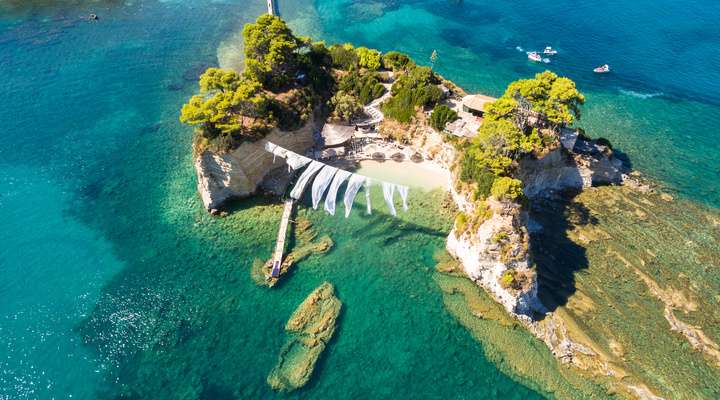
603	69
549	51
534	56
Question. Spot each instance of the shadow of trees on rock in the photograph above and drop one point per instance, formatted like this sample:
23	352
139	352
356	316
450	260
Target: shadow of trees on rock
558	258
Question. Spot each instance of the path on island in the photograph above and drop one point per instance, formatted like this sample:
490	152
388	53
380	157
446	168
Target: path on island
373	109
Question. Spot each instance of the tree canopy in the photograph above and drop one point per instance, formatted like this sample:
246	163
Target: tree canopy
226	105
363	85
345	106
503	108
555	99
499	144
270	51
506	188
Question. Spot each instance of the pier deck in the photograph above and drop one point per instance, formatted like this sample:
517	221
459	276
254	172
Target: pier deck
282	233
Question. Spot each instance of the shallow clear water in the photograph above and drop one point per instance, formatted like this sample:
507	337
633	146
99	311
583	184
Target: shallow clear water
113	279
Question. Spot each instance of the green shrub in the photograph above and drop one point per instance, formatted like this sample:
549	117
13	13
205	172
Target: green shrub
416	77
365	86
501	236
400	107
368	58
370	92
344	56
506	188
507	280
416	88
461	223
471	171
345	106
396	61
441	116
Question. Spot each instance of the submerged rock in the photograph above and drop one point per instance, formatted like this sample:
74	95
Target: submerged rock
311	325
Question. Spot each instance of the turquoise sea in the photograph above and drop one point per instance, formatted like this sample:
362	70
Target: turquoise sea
114	281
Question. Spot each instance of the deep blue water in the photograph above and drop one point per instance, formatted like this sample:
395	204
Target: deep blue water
96	182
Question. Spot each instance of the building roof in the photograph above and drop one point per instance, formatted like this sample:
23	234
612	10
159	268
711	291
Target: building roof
335	135
462	128
477	101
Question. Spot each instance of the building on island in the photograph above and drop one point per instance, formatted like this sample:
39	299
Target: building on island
470	112
475	104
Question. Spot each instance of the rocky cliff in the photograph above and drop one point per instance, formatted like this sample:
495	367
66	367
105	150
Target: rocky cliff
237	173
581	165
495	252
497	249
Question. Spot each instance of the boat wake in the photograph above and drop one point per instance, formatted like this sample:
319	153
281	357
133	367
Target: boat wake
520	49
640	95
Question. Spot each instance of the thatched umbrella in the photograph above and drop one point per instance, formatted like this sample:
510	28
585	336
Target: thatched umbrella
398	157
378	156
417	158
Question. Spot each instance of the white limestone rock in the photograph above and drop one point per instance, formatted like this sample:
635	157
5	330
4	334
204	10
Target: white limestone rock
237	174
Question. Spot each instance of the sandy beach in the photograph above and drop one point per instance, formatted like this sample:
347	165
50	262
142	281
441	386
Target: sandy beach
425	175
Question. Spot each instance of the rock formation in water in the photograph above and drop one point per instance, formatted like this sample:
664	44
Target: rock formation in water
311	327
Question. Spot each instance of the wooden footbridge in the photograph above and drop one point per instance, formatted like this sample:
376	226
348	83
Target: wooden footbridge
282	234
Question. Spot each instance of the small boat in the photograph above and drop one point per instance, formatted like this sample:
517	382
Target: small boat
603	69
534	56
549	51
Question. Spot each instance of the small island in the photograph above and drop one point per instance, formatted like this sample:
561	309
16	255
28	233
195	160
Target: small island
342	104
